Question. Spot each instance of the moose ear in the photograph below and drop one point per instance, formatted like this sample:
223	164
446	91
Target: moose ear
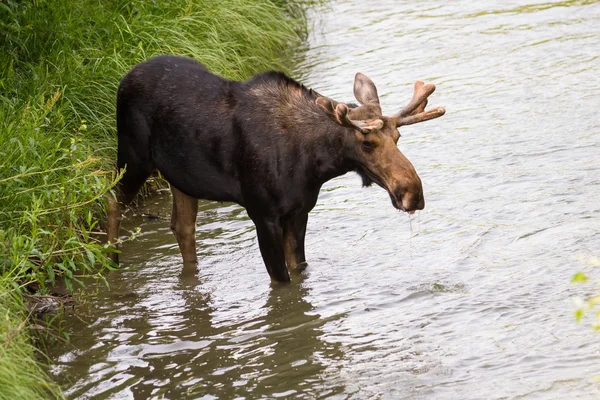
328	106
365	90
338	112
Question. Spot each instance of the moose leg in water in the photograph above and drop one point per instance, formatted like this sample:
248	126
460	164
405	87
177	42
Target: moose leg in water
125	192
183	224
113	216
294	231
270	241
134	160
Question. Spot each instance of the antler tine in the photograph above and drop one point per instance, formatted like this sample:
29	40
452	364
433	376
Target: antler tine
421	92
421	117
415	110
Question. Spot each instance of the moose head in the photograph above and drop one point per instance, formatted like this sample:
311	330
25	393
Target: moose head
375	137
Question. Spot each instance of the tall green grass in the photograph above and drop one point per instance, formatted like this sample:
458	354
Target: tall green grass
60	65
21	376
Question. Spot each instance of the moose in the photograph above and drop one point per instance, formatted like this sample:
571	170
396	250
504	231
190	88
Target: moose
267	144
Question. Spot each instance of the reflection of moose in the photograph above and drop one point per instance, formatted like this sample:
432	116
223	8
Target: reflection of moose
267	144
167	344
280	350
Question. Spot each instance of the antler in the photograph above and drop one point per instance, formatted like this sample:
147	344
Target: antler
415	110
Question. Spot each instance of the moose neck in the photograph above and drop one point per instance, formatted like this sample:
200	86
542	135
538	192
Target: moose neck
329	148
325	149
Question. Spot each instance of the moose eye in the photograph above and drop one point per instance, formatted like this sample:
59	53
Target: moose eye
368	145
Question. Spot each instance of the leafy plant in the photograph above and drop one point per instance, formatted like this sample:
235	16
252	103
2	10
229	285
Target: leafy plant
592	303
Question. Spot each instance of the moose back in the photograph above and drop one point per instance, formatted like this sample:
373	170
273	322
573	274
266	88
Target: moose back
267	144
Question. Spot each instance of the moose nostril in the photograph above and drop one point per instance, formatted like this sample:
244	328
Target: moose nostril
410	200
399	196
421	204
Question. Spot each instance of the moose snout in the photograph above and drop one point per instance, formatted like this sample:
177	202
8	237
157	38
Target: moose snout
409	198
409	201
405	187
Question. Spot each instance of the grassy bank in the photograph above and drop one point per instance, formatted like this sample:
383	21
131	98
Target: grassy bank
21	376
60	65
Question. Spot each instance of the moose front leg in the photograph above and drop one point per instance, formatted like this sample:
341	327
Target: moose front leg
270	241
183	224
294	231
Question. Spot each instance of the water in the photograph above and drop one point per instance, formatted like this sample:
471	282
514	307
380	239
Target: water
468	299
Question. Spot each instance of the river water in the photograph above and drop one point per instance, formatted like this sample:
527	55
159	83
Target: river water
468	299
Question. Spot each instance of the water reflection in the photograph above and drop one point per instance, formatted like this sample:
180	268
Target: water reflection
150	334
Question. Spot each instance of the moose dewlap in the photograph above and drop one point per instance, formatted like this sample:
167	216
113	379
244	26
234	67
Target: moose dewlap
267	144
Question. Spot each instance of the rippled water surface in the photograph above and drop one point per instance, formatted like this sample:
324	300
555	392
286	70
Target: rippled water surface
468	299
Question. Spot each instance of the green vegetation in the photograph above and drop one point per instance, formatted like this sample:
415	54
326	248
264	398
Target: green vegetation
21	376
60	65
590	305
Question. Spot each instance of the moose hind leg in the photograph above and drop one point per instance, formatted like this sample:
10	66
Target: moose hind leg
113	214
294	231
125	192
135	159
183	224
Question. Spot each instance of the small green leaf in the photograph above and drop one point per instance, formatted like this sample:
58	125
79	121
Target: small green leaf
579	315
579	277
50	272
91	258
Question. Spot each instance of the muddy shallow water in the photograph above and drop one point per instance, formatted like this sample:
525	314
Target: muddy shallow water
467	299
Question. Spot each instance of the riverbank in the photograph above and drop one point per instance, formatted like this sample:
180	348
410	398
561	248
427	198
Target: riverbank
60	66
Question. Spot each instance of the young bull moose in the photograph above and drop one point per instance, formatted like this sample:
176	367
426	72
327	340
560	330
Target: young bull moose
268	144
